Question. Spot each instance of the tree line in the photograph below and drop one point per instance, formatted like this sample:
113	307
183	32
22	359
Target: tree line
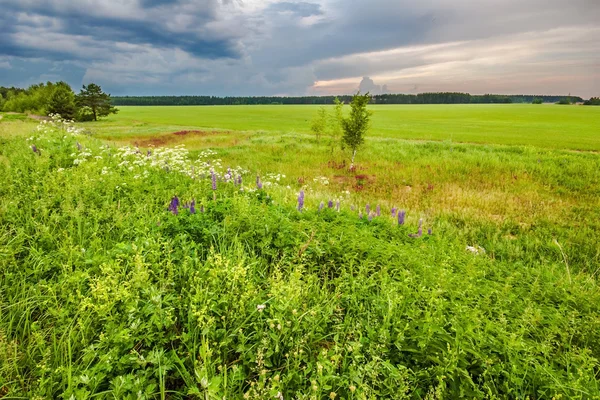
421	98
58	98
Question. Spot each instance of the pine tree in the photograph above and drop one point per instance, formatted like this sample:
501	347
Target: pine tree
94	103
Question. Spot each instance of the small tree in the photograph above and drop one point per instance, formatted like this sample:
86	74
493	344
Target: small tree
319	123
62	102
537	100
355	126
94	103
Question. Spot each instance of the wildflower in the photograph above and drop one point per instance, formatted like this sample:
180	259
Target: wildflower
79	146
261	307
202	208
214	180
393	211
429	231
337	207
301	200
378	210
401	215
368	209
352	388
321	206
332	395
371	217
419	232
258	182
360	215
193	207
35	149
174	204
330	204
148	153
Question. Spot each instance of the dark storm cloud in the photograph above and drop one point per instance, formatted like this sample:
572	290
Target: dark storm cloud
148	23
285	46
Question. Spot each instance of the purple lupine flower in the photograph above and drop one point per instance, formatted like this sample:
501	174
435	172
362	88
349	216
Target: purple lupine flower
401	215
393	211
79	146
360	215
419	232
202	208
193	207
240	180
368	209
330	204
429	231
378	210
258	182
371	217
301	200
321	206
148	153
174	204
229	171
337	206
35	149
214	180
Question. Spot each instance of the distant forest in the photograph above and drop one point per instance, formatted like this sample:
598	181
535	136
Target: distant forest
422	98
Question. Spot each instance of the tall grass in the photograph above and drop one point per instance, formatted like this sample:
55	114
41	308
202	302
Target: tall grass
105	293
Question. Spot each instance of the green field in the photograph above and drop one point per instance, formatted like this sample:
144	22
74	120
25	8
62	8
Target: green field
549	126
105	293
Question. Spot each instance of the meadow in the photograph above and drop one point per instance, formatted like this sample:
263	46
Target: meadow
546	125
115	285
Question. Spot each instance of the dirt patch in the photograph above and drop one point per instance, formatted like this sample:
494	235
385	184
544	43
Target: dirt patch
199	133
154	142
174	137
39	117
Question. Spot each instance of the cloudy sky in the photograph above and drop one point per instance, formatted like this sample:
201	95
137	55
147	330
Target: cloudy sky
289	47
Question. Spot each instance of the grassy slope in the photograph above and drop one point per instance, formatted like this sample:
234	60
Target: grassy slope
550	126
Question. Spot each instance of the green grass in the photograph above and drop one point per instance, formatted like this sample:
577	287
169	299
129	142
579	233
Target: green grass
105	293
548	126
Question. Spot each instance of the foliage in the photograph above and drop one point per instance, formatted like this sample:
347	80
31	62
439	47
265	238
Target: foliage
537	100
594	101
421	98
62	102
33	100
566	100
94	103
318	125
105	293
356	125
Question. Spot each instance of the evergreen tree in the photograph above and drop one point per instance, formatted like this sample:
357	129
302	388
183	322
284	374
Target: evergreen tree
94	103
62	101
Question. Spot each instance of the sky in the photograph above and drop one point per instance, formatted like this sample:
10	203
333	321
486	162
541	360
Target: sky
307	47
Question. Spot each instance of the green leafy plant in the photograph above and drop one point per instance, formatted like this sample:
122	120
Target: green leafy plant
356	125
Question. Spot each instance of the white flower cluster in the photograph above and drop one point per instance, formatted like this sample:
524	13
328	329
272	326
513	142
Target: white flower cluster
58	124
272	179
322	180
477	250
81	156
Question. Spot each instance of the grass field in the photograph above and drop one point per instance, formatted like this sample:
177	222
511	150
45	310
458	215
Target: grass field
548	126
104	293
